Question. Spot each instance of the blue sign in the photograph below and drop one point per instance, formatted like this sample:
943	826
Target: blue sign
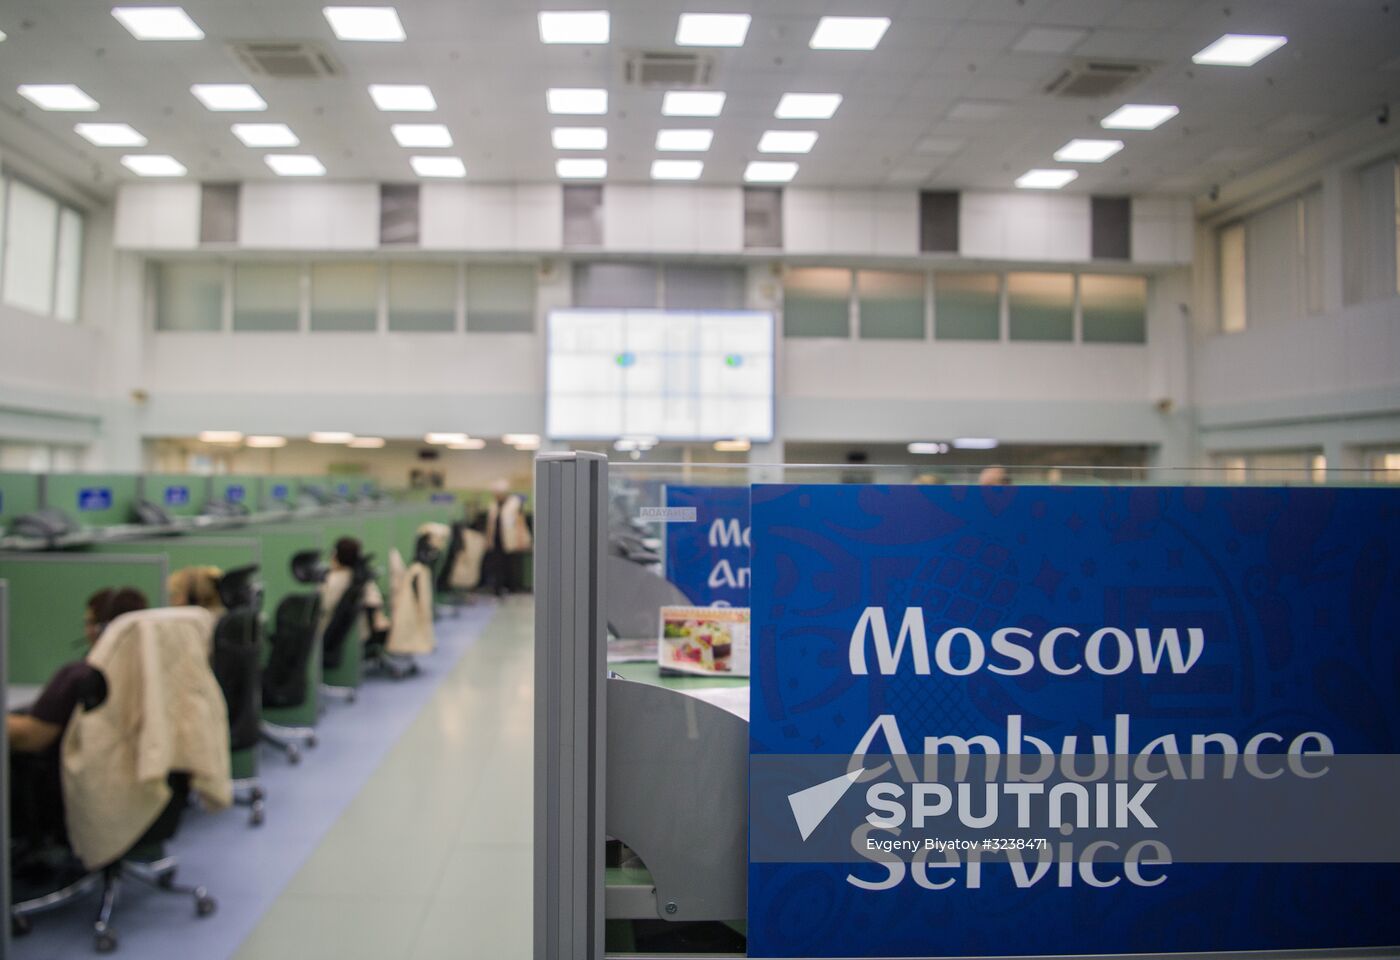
367	489
279	491
709	559
343	489
235	493
177	496
95	498
443	498
884	615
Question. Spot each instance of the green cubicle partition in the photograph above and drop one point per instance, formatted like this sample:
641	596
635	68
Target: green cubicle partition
48	594
226	553
237	488
93	499
19	494
179	494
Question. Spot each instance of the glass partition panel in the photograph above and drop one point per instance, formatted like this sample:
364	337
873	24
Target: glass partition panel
1041	306
891	304
189	295
345	297
817	302
967	306
422	297
266	297
500	298
1114	309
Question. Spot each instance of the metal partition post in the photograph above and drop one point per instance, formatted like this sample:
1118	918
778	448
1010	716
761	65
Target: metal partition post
570	708
5	891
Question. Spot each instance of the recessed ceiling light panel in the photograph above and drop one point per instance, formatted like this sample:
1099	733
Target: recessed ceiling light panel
1238	50
402	97
579	168
677	169
787	141
158	23
231	97
770	171
295	165
1088	151
712	29
372	24
451	167
574	26
153	165
57	96
1045	179
579	138
109	134
693	141
421	134
1139	116
692	103
588	101
849	33
807	106
265	134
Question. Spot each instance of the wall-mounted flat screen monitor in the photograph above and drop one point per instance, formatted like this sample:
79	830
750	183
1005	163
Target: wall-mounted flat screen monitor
663	374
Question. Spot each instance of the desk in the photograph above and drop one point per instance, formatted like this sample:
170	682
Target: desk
20	696
727	693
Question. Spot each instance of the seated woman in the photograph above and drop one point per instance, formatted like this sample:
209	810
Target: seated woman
35	733
345	558
195	587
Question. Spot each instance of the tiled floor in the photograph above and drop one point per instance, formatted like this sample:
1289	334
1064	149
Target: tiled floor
406	833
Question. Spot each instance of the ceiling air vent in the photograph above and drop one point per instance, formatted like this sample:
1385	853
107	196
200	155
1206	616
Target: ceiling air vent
285	59
1096	78
663	69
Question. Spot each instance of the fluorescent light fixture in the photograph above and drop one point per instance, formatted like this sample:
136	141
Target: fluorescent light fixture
733	446
579	138
807	106
471	443
787	141
295	165
220	436
574	26
770	171
3	36
677	169
367	443
402	97
521	439
228	97
692	103
1045	179
694	141
577	168
379	24
1088	151
438	166
265	134
1139	116
109	134
635	443
1238	50
928	448
975	443
421	135
849	33
331	436
712	29
266	441
153	165
445	438
57	96
527	446
590	101
158	23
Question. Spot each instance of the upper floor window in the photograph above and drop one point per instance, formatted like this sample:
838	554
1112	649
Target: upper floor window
41	251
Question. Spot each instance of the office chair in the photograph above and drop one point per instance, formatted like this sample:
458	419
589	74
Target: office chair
420	577
145	861
290	648
236	659
349	607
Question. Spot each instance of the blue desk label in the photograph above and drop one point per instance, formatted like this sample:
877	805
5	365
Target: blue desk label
1067	625
95	498
235	493
444	498
709	558
367	489
343	489
177	496
279	491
